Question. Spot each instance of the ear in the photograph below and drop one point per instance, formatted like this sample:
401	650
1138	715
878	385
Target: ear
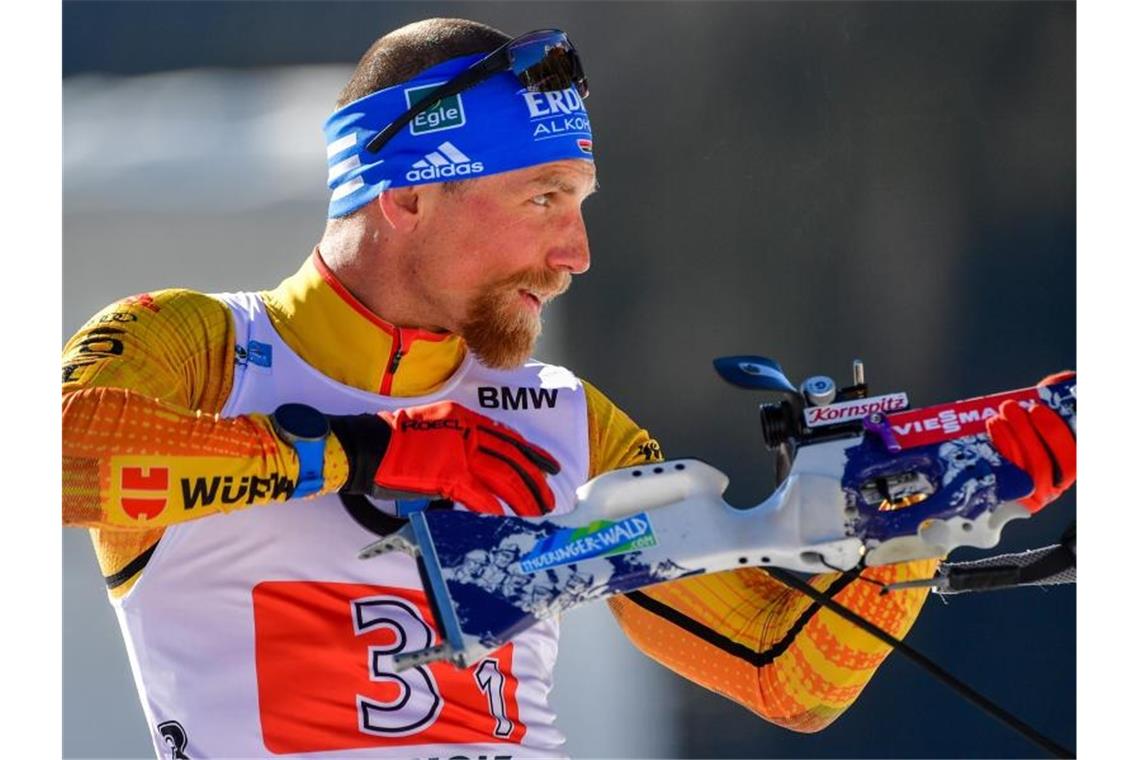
400	207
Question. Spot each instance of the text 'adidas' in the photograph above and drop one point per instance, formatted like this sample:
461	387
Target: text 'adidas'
442	163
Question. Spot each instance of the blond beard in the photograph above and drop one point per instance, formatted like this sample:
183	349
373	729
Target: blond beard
499	330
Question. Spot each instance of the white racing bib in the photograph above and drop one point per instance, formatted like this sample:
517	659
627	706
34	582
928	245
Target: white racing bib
260	633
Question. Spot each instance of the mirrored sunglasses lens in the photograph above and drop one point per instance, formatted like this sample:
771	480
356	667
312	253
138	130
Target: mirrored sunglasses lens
578	76
547	64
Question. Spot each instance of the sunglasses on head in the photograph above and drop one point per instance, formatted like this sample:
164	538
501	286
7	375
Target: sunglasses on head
544	61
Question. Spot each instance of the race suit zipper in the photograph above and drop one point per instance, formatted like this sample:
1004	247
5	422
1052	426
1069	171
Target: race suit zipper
393	362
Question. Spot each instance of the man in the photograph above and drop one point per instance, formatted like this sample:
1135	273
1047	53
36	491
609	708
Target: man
237	450
501	559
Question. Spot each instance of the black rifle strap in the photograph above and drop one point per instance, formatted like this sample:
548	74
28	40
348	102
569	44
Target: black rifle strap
968	693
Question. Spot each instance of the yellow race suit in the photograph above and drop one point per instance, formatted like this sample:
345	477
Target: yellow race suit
146	377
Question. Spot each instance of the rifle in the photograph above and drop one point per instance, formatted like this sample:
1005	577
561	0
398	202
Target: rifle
862	481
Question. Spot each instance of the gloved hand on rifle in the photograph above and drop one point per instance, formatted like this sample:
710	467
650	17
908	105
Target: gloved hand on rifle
445	450
1039	442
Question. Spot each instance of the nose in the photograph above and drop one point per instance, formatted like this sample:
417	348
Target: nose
572	253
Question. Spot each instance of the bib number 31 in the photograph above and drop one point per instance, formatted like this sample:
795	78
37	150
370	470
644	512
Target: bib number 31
326	679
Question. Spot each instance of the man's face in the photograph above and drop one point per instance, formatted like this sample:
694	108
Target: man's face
495	250
475	563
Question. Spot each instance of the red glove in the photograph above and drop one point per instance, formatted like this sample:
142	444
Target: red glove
1039	442
445	449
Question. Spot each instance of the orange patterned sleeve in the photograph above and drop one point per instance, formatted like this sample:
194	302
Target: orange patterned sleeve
744	634
143	445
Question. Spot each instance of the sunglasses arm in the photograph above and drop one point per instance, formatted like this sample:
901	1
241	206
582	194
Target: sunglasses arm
460	83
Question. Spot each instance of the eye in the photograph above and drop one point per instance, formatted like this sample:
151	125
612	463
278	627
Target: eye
543	199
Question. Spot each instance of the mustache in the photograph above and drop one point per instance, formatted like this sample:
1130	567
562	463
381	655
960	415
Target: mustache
548	284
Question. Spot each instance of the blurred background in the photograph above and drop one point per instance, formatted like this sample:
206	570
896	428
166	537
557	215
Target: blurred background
812	182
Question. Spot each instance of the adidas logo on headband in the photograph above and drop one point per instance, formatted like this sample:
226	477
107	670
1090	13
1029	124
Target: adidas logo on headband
445	162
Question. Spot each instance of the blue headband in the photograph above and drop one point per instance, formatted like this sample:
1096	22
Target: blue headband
495	126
